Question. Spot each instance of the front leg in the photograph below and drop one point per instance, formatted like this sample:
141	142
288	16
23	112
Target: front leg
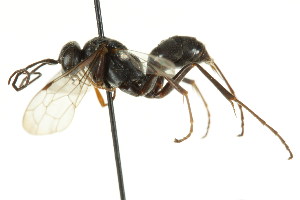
100	98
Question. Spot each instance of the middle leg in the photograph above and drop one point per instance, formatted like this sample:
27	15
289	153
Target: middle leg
194	85
173	83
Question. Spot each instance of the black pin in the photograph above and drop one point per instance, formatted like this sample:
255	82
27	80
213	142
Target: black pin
111	112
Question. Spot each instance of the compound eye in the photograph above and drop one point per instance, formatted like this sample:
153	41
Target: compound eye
70	55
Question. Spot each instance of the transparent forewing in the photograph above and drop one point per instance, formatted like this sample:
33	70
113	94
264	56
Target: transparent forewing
150	64
52	109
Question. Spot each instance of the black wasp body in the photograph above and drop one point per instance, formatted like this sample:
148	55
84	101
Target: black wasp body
107	64
116	70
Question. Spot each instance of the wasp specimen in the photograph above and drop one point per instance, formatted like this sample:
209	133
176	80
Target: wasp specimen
107	64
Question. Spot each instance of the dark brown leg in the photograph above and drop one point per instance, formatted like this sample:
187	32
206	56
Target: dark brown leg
231	97
194	85
173	84
170	84
191	120
148	89
215	67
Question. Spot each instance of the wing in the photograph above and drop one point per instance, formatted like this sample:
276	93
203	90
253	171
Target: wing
149	64
52	109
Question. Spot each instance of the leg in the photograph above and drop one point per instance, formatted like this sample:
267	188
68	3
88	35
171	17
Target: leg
215	67
230	97
193	84
173	83
185	94
100	98
191	121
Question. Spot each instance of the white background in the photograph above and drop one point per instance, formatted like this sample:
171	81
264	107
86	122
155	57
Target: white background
255	43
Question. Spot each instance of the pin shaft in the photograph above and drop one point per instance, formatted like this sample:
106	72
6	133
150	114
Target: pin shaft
111	112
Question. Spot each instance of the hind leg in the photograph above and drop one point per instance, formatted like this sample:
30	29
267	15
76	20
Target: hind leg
173	83
195	87
215	67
